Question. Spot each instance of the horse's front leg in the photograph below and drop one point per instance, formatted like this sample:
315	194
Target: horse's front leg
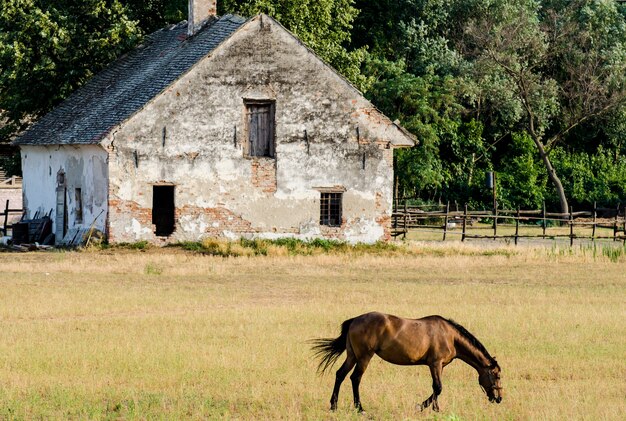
435	372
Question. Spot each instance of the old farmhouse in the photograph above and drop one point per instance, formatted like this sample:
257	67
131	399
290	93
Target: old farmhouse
215	127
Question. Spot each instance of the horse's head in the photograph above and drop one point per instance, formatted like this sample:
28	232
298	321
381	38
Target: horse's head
489	379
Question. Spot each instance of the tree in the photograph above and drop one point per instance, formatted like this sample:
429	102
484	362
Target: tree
564	65
50	47
154	14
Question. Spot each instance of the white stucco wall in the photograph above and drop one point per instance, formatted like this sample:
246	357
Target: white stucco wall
85	167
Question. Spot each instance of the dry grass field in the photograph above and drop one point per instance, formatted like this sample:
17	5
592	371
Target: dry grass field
170	334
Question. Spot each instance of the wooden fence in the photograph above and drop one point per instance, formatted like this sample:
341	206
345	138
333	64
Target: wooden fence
11	181
441	218
5	217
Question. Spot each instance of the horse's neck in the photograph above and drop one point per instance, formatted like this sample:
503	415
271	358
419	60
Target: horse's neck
470	354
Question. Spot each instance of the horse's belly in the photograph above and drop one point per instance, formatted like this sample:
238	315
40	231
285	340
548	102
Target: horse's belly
399	357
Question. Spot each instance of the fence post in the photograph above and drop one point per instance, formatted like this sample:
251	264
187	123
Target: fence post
571	226
517	225
624	233
595	215
6	218
405	227
445	221
464	223
615	224
495	220
543	214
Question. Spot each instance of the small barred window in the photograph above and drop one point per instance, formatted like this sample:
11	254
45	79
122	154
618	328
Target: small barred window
330	209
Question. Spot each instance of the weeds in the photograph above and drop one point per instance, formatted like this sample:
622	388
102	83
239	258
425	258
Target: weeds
284	247
152	268
139	245
255	247
612	252
615	254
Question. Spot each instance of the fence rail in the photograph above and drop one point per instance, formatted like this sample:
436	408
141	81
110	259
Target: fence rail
442	219
10	182
5	217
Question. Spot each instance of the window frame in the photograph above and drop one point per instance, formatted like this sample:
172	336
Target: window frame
78	205
330	217
249	106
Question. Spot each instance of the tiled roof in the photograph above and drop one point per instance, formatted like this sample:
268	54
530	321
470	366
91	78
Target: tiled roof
124	87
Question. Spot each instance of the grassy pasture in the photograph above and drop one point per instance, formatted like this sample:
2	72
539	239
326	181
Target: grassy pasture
169	334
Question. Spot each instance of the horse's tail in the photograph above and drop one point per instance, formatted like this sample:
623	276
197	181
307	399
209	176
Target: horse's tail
329	349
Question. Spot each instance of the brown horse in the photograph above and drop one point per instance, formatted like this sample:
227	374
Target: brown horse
432	341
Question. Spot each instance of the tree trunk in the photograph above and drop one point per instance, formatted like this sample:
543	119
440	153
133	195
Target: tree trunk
556	181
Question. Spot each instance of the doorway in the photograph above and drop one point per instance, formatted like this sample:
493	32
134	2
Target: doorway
163	210
61	217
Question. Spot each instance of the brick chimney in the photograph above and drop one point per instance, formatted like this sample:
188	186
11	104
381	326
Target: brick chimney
199	12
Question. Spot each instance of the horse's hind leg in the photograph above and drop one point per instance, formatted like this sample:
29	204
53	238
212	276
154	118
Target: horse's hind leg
435	372
340	376
361	366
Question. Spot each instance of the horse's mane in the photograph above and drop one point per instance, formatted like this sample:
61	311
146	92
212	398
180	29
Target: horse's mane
472	340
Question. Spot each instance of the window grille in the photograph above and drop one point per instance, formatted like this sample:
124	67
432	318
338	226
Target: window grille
330	209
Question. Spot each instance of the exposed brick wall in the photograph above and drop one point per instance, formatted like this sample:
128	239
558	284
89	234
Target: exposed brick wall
385	222
220	219
127	210
264	174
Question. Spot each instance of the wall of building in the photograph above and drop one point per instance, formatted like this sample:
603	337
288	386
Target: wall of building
193	136
14	195
85	167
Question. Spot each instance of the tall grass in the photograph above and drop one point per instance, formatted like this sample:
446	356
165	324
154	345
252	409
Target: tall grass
281	247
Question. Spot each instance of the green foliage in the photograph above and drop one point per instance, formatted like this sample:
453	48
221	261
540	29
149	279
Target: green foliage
426	106
139	245
589	178
12	165
154	14
552	72
214	247
152	268
522	179
421	33
283	246
49	48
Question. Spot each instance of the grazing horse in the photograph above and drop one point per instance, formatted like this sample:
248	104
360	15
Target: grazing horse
432	341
